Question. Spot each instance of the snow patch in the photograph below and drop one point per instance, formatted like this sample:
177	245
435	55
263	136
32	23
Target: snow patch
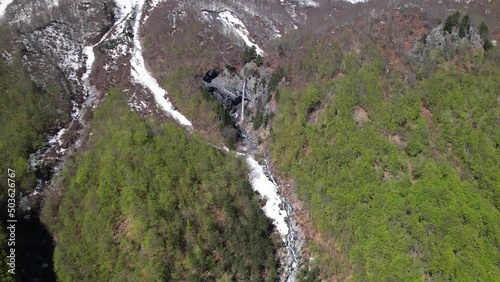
142	76
88	52
124	7
152	6
310	3
66	49
7	56
236	26
75	111
3	6
26	11
56	139
154	3
277	33
305	3
269	191
206	16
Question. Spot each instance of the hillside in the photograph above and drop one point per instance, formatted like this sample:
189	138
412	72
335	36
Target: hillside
155	219
398	175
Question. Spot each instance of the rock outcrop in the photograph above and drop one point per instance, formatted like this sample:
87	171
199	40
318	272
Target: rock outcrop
227	86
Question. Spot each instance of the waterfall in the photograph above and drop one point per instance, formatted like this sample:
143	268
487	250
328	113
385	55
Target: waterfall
243	101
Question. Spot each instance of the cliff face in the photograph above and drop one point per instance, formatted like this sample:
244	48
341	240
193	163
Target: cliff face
233	88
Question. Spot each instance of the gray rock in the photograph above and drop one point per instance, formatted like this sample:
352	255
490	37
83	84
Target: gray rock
226	86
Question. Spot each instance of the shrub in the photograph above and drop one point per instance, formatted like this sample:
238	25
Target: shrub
249	54
450	22
464	27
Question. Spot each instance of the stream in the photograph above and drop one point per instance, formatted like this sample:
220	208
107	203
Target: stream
277	207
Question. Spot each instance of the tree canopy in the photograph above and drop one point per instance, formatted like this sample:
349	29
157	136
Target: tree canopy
149	202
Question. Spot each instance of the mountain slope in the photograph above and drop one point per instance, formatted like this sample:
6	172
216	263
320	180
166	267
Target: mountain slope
395	154
161	204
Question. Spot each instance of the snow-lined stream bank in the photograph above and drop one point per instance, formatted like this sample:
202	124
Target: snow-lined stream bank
279	209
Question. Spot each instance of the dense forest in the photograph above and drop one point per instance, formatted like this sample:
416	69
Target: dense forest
149	202
27	113
401	177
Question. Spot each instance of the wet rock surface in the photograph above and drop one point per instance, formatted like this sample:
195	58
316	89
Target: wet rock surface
233	88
